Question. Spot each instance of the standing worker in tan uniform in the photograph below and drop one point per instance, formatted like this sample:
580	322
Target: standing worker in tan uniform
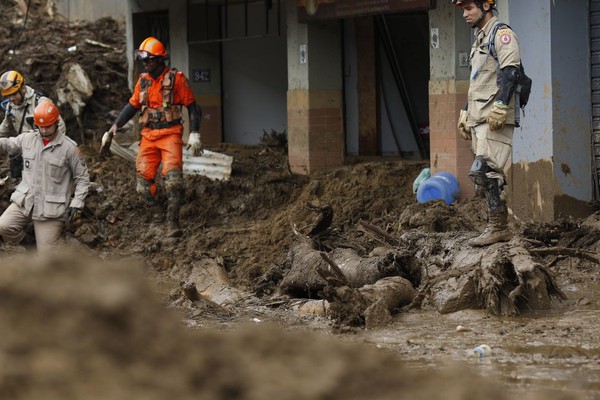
159	95
21	100
489	118
54	185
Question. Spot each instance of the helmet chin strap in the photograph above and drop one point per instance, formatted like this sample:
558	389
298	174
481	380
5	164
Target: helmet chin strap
480	18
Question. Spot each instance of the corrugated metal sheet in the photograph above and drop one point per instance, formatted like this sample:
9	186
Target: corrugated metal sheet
213	165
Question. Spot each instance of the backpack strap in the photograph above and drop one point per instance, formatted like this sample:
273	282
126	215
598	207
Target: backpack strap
38	96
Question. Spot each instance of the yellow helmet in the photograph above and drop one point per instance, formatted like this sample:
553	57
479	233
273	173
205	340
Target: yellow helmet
11	82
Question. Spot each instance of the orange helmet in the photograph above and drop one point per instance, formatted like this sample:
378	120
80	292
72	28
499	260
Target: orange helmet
46	113
150	47
11	82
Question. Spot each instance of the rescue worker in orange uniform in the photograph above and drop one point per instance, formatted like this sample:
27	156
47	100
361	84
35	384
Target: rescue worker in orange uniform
159	95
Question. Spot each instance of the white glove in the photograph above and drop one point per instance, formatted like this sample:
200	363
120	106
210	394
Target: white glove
195	144
106	142
107	138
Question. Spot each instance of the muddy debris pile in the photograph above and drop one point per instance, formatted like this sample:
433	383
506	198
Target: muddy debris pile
43	46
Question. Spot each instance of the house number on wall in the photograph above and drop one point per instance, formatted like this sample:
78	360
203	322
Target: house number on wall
201	75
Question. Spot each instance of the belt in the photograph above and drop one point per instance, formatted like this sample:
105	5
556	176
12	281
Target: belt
163	124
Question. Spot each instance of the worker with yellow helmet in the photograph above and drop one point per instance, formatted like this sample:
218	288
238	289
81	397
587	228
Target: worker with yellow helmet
19	104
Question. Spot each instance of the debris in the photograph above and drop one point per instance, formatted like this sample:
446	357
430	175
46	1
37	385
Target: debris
99	44
74	88
213	165
483	350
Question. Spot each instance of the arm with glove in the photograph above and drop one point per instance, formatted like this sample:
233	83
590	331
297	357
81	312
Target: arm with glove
194	139
463	130
509	77
126	114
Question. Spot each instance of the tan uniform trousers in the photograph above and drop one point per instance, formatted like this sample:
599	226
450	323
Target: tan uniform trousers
495	147
47	232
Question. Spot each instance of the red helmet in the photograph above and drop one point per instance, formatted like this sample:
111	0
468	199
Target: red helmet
150	47
46	113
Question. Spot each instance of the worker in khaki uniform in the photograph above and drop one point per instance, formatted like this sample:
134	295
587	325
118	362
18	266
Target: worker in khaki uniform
159	95
489	118
20	102
54	185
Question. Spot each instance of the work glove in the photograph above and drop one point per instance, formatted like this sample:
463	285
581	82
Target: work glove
195	144
463	129
106	142
74	213
497	117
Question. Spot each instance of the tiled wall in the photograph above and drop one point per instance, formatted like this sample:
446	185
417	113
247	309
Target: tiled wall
315	130
449	152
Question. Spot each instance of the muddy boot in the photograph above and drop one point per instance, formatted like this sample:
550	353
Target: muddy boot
174	187
148	191
495	231
497	226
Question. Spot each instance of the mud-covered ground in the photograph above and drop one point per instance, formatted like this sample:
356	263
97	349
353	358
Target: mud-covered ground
91	325
255	347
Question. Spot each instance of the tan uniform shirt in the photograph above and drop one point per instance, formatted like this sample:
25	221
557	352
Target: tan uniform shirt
484	82
52	174
16	114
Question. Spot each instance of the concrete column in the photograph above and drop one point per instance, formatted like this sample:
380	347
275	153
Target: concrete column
314	99
368	139
551	171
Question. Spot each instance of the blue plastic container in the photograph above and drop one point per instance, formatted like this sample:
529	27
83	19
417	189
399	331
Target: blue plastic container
442	185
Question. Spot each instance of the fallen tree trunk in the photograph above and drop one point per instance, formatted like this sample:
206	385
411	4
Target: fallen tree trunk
303	280
503	278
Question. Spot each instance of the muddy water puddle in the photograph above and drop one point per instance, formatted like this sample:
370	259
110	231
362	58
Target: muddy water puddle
559	352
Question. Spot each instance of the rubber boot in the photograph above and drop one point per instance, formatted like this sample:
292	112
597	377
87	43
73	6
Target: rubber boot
173	207
497	226
148	191
174	187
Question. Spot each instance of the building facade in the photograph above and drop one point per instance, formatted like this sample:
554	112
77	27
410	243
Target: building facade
387	78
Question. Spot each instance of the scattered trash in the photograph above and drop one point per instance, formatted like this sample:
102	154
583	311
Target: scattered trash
256	320
461	328
72	49
483	350
424	175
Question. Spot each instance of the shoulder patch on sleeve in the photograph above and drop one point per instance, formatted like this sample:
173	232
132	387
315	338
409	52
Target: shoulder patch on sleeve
505	35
